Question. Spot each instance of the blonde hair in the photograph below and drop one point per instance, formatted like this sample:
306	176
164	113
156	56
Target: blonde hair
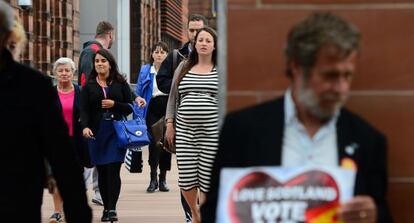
19	35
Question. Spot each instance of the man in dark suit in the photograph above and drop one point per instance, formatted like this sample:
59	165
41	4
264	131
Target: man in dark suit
309	125
32	130
168	66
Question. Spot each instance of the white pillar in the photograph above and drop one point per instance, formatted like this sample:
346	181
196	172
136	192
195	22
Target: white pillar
123	38
222	58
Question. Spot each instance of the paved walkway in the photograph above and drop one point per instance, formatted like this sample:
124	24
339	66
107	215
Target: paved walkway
135	205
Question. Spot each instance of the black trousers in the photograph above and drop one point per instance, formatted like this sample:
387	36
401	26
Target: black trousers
109	183
157	156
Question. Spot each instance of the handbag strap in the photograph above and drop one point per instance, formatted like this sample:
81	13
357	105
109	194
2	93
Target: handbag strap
138	113
124	118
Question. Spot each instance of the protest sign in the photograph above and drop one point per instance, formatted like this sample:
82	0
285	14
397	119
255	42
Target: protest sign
283	195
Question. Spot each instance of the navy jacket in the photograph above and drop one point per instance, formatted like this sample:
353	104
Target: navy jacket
166	72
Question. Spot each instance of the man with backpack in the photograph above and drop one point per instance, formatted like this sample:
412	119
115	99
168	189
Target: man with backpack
168	66
105	35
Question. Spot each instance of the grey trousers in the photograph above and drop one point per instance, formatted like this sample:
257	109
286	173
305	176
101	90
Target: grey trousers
90	175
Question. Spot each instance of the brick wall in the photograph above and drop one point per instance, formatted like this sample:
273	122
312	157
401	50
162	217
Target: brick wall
382	91
203	7
52	27
152	21
135	32
173	21
171	18
150	28
145	32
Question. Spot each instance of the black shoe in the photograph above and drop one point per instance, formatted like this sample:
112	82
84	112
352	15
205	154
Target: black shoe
105	216
163	182
152	186
112	215
163	186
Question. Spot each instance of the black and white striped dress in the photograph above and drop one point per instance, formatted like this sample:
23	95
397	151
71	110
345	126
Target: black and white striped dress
197	129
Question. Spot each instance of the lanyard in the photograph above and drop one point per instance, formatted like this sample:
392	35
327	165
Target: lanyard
104	91
103	88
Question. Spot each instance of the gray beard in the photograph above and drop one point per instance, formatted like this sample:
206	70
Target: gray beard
310	102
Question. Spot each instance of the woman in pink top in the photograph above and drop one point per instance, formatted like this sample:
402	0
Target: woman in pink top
69	93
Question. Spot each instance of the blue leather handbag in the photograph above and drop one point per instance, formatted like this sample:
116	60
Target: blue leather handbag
131	133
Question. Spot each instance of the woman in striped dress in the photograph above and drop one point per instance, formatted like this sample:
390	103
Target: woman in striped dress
193	108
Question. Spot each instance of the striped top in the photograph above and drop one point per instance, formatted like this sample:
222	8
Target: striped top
205	84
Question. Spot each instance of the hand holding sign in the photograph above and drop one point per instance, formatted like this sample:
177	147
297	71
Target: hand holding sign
359	209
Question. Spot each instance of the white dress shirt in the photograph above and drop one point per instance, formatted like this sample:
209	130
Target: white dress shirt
155	91
298	148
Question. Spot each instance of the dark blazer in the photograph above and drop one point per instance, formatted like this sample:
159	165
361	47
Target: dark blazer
166	72
91	103
253	137
32	129
79	142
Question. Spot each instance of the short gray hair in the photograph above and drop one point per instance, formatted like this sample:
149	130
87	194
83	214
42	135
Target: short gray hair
6	18
64	61
319	29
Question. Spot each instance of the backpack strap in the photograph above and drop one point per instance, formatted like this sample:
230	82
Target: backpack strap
175	55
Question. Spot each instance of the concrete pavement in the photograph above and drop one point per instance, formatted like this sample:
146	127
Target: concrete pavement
135	205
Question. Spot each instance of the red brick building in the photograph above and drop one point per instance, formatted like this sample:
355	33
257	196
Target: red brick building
52	29
206	8
152	21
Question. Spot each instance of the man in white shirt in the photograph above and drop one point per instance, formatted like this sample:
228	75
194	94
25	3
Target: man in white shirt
308	125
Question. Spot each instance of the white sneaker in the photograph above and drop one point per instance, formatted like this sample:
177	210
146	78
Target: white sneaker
56	218
97	199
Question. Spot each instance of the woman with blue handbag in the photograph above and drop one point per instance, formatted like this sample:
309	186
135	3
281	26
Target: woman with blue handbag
148	94
105	97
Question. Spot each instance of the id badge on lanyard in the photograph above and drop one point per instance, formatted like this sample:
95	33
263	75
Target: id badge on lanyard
104	90
107	115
